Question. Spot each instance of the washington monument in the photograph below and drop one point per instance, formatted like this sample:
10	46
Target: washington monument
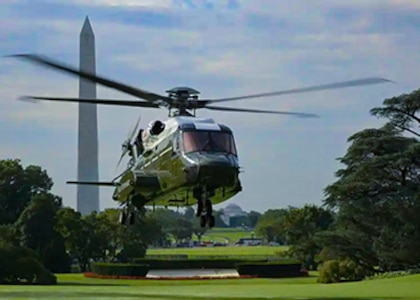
87	164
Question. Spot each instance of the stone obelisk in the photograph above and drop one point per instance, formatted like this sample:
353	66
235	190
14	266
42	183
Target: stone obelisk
87	164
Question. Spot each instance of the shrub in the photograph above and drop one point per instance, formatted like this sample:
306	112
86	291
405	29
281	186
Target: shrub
28	268
111	269
329	272
19	264
46	277
350	271
179	264
341	270
270	269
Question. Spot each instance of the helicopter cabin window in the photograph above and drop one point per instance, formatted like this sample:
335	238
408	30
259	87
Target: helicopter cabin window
208	141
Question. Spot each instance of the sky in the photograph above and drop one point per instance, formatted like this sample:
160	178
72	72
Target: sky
222	48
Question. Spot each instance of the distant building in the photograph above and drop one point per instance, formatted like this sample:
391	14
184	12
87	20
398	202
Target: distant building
234	216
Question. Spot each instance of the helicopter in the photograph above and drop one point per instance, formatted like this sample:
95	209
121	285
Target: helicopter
181	161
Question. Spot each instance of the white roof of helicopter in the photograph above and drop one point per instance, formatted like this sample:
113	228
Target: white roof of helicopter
199	123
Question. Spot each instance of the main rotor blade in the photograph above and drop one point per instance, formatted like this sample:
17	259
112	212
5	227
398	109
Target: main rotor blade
94	101
298	114
337	85
47	62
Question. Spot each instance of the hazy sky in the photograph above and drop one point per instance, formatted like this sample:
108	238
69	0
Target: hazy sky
221	48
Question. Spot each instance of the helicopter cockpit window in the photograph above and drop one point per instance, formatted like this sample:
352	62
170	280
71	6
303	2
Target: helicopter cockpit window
204	141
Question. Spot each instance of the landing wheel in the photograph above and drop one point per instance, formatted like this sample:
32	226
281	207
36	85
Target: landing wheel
132	218
209	208
204	207
199	208
123	217
211	221
205	212
203	221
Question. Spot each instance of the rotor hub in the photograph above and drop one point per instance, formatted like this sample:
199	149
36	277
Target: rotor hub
183	99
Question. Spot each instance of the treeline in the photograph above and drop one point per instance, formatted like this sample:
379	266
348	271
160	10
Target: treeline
35	221
369	220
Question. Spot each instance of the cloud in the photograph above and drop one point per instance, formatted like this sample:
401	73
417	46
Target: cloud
156	4
129	3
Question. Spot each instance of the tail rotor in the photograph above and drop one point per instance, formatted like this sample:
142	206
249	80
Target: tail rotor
128	142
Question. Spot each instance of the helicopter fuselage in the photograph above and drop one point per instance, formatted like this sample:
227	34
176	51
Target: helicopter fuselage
178	161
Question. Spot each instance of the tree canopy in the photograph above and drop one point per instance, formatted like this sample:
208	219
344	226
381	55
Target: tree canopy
18	185
377	194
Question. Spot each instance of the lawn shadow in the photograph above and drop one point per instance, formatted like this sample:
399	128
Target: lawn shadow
89	284
104	295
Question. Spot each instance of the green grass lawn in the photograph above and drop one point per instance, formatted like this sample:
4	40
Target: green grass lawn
223	251
77	287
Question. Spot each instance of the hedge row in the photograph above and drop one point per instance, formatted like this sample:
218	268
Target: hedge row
93	275
167	256
393	274
111	269
162	264
270	269
254	269
252	257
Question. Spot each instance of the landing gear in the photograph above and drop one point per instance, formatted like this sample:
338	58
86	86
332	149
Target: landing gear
204	219
129	214
123	217
205	210
128	217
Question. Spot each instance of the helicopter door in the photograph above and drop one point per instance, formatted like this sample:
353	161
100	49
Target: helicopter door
176	163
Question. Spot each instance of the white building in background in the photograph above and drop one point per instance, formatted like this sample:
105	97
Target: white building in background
233	214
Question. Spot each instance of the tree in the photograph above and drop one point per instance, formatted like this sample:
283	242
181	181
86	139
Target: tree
183	229
36	230
167	221
197	229
253	217
301	227
270	225
189	214
377	196
110	227
136	238
17	187
79	237
401	111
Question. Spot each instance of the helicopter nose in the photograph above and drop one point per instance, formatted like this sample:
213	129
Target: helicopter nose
214	161
212	168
